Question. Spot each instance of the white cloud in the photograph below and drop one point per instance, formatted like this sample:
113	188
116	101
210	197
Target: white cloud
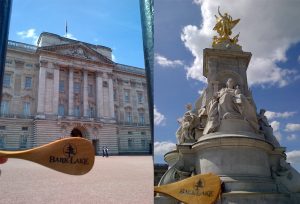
271	115
278	136
113	57
159	119
291	137
164	62
293	156
200	92
267	33
292	127
161	148
275	125
70	36
30	34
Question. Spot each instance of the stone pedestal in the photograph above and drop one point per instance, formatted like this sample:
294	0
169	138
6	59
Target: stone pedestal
244	161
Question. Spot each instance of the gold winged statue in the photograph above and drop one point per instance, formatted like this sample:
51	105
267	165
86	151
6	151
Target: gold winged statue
223	26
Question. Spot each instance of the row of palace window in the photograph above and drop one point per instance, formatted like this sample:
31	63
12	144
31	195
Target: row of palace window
92	113
8	78
4	110
132	143
128	117
61	111
140	97
22	142
77	90
77	112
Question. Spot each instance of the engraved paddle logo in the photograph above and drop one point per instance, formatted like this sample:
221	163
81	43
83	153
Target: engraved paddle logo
69	150
69	156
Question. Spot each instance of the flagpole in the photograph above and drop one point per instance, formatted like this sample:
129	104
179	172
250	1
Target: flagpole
66	25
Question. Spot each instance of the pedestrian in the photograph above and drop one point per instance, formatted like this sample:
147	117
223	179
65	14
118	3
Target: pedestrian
2	161
103	151
106	151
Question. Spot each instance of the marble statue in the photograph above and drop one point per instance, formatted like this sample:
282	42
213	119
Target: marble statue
230	103
266	128
186	131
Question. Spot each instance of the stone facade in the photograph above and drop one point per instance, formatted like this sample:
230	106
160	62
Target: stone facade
65	85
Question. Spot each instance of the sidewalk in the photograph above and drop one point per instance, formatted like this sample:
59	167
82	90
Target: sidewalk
117	179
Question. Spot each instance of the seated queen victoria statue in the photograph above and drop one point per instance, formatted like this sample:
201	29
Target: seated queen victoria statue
230	103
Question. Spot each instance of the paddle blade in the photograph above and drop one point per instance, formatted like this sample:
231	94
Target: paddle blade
71	155
203	188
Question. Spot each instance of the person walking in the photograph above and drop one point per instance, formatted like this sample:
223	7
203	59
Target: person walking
103	152
106	151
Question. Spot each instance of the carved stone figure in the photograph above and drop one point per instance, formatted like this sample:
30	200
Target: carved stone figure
266	128
230	103
186	131
213	121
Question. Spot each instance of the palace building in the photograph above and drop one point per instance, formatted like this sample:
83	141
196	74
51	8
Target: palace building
65	87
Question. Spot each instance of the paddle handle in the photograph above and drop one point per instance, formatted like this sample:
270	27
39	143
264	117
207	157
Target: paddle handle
14	154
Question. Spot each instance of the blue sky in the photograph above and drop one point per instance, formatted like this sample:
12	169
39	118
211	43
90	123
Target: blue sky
268	29
115	24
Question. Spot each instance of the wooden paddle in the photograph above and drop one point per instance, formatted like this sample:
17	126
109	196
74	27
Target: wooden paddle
71	155
202	188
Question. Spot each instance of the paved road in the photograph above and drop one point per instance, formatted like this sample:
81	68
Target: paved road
117	179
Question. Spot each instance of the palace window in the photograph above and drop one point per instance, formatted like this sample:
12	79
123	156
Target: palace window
128	117
4	107
91	112
130	142
26	108
76	87
126	95
23	141
6	80
116	115
28	83
115	94
8	61
77	111
61	110
105	84
143	143
61	86
24	128
2	141
140	97
29	65
90	90
141	118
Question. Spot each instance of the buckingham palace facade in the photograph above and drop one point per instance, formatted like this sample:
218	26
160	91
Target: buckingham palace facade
64	87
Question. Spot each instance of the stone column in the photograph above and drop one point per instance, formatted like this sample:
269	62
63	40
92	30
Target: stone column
41	88
85	93
55	88
111	96
99	94
71	95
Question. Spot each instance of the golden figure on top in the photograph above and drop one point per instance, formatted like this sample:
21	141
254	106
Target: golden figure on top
223	27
